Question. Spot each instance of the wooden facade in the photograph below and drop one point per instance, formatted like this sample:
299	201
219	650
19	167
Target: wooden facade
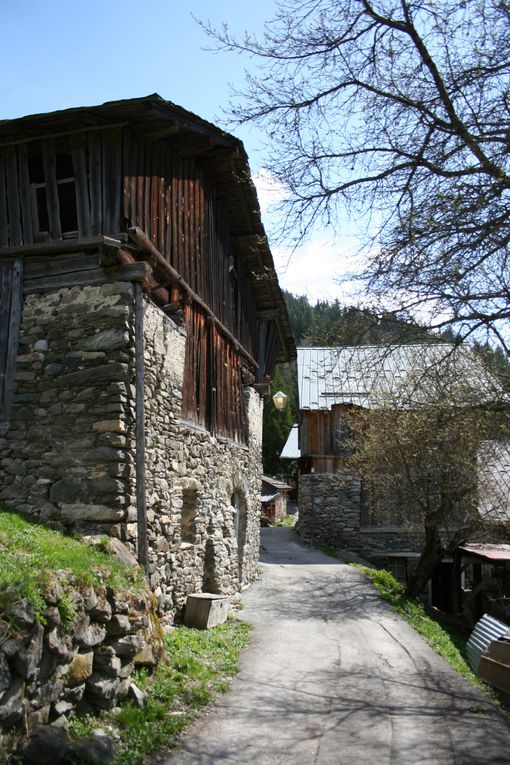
323	438
144	188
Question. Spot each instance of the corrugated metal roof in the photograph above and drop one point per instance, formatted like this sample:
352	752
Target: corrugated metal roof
485	631
499	552
494	481
366	376
291	450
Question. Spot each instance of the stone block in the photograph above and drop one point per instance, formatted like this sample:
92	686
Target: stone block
205	610
80	668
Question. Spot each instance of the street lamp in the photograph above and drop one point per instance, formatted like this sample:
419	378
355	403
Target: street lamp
280	400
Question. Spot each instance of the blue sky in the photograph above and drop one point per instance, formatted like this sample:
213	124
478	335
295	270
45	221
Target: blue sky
57	54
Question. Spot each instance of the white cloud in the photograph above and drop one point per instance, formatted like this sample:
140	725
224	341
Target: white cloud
316	268
270	190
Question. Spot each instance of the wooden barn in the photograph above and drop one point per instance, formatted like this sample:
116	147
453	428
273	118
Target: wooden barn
140	316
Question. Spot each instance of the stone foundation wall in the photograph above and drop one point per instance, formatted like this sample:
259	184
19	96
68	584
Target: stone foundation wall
191	478
329	514
69	455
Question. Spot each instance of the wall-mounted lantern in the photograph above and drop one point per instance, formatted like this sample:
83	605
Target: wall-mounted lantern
280	400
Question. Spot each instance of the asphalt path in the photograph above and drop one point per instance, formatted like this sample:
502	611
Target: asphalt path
333	676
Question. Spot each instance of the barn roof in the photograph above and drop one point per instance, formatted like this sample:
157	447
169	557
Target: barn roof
221	154
366	376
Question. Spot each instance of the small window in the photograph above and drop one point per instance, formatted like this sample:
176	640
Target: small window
53	170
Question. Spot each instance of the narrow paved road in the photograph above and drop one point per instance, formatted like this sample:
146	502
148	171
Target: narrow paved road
333	677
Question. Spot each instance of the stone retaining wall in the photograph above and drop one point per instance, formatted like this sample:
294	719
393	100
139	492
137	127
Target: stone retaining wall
78	654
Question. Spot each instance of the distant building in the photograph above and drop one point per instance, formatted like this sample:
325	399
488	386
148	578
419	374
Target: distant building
332	384
274	498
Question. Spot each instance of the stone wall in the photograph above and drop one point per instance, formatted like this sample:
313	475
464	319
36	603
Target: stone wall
329	514
191	479
79	656
69	455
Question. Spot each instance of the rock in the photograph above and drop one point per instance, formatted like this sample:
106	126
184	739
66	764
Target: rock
105	340
119	625
52	616
5	675
97	750
54	593
101	612
63	708
101	688
73	513
93	635
80	668
12	703
47	746
74	695
66	490
128	646
117	548
136	695
38	717
26	661
21	612
60	644
106	662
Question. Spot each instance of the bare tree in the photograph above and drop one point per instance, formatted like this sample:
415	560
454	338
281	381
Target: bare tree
401	110
427	448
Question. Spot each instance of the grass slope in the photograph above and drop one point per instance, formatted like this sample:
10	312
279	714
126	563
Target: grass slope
200	664
30	553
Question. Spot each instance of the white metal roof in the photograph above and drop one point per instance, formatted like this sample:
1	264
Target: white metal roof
291	450
367	375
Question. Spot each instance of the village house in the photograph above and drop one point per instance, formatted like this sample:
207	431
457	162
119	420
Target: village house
275	499
333	508
140	318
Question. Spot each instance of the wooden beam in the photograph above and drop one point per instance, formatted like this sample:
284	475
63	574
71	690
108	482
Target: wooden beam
62	245
143	551
157	260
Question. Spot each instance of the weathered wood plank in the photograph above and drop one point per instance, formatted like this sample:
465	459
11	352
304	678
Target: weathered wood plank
95	182
4	234
61	264
136	272
52	201
5	311
81	184
25	195
12	345
11	162
143	555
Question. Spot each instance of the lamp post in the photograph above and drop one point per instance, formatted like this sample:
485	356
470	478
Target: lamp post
280	400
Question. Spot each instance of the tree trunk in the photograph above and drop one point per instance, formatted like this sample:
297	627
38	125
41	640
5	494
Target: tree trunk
431	555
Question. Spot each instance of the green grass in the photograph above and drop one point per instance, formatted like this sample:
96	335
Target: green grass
30	553
200	664
287	521
445	641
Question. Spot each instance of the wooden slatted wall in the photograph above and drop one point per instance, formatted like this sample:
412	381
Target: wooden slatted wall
95	158
11	287
213	396
169	198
